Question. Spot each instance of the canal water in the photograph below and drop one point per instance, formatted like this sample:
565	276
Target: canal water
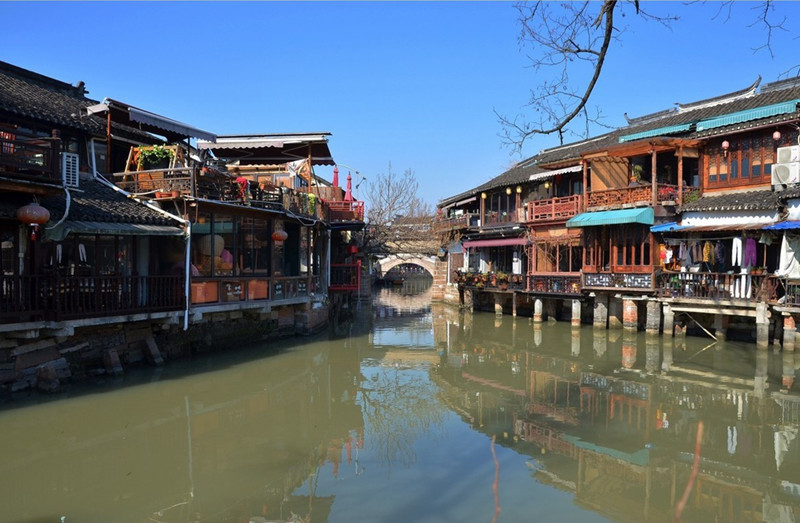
419	413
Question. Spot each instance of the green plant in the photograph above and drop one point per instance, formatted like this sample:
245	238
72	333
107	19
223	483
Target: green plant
502	277
691	196
154	154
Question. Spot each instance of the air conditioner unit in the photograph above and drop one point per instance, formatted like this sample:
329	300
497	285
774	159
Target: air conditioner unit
785	173
69	169
789	154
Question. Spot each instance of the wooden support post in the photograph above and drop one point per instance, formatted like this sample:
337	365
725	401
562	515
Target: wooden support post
653	171
680	176
514	304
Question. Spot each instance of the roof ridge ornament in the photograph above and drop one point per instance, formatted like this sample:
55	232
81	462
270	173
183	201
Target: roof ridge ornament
722	99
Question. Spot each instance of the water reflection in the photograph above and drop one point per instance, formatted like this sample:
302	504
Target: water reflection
401	420
614	424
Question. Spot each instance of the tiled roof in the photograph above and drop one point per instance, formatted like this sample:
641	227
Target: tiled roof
93	201
735	201
33	96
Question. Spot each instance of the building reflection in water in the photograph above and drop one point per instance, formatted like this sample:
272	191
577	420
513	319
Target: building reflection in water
617	430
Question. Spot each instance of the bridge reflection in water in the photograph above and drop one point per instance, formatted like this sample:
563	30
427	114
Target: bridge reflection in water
586	425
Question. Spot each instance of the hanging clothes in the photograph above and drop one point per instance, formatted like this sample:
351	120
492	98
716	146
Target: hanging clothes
736	252
750	253
683	254
719	254
695	253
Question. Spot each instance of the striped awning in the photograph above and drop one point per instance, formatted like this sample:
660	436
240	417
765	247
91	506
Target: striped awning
642	215
61	231
555	172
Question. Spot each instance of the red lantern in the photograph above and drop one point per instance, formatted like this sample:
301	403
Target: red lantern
279	236
352	249
34	215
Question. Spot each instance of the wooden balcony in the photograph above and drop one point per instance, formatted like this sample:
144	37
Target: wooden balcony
465	221
641	280
634	196
345	277
30	159
722	286
59	298
494	218
345	211
553	209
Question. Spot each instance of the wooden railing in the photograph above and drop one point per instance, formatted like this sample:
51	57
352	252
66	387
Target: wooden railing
553	208
502	217
58	298
554	284
465	221
719	286
345	276
345	211
30	158
161	181
632	196
233	289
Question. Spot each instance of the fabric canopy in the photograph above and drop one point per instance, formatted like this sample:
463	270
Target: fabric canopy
150	122
782	226
497	242
555	172
642	215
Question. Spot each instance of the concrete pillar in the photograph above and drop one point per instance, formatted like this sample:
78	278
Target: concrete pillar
538	307
653	324
789	330
630	314
669	321
614	313
514	304
576	313
762	326
600	311
498	304
720	326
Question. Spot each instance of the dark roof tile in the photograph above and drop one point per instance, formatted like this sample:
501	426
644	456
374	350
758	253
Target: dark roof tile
735	201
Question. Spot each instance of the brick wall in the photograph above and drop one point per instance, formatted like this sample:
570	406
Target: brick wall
439	280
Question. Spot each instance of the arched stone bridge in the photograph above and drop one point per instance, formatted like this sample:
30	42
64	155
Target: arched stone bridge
384	265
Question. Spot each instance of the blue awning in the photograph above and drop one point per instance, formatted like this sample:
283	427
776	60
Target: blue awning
782	226
589	219
749	114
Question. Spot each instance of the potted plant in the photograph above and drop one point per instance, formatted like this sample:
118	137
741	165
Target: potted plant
154	157
502	280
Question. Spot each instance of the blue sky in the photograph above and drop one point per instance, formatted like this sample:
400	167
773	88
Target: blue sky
411	84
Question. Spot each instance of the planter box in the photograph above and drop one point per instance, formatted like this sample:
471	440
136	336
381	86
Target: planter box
205	292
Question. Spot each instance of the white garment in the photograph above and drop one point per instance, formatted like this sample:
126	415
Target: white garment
736	252
789	266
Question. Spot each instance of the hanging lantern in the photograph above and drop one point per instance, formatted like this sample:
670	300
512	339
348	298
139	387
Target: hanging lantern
352	249
776	136
34	215
279	236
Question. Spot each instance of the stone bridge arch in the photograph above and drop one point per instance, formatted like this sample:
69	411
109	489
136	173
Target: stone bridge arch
384	265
